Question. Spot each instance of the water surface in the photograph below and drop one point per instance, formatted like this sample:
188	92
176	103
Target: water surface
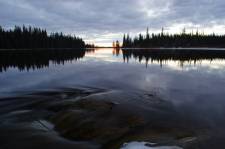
191	84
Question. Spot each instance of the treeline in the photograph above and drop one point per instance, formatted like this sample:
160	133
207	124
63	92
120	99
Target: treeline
36	38
184	39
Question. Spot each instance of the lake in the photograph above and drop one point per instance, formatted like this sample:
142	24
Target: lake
112	98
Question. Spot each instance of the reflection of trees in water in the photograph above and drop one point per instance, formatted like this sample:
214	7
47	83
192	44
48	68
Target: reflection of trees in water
116	51
36	59
162	56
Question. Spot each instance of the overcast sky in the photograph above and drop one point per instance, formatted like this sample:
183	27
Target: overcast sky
102	21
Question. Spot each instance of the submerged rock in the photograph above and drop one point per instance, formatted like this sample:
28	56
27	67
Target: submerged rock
146	145
93	121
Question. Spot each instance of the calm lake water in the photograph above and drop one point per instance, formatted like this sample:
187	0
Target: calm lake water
193	85
111	69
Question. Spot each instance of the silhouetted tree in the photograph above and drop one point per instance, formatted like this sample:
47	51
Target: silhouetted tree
117	44
176	40
36	38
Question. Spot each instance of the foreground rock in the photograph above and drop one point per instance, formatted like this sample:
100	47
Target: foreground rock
92	119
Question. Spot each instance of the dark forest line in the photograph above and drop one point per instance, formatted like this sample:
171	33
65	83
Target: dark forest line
37	38
185	40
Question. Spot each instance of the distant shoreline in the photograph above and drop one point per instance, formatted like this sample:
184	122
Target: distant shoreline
44	49
123	48
172	48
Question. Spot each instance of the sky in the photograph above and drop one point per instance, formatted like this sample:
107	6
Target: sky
103	21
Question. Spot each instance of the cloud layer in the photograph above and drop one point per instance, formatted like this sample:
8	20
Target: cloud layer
102	21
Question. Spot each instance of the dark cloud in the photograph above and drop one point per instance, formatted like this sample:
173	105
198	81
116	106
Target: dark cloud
107	19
